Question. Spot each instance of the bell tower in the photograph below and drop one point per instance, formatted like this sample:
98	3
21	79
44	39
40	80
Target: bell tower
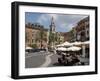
52	35
52	26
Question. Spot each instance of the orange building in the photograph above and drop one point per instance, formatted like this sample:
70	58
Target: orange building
35	36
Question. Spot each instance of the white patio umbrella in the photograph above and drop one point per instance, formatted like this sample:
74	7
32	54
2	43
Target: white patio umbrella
62	49
86	42
60	45
73	48
82	45
77	43
66	44
28	48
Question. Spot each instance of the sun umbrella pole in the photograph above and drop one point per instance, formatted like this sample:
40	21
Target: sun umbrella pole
83	50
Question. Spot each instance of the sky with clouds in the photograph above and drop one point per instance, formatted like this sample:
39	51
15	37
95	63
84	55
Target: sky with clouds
63	22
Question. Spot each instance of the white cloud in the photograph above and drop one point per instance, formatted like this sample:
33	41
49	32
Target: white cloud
42	19
62	22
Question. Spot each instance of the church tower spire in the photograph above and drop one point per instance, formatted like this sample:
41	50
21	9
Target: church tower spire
52	25
52	34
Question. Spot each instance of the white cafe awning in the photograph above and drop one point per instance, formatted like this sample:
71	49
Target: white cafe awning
28	48
62	49
73	48
64	44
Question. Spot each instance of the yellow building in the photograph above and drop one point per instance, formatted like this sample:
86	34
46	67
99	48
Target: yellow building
35	36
